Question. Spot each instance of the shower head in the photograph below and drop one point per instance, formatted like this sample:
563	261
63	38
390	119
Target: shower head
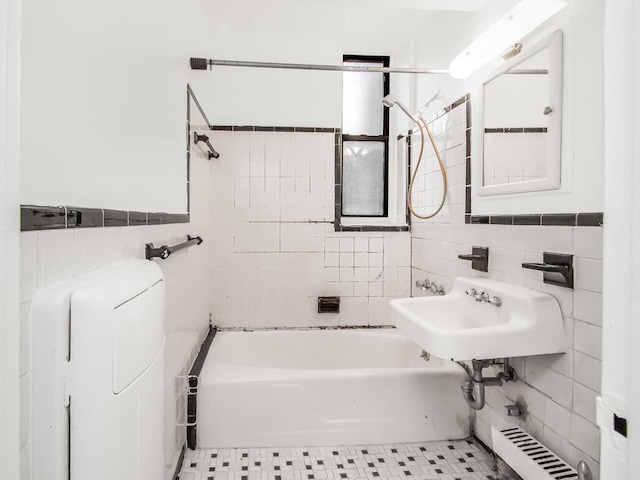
389	101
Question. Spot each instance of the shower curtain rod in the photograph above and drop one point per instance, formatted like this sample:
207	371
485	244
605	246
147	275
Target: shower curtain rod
202	63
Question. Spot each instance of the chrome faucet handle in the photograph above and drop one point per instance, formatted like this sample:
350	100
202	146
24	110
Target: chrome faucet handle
423	284
440	290
481	296
471	292
495	301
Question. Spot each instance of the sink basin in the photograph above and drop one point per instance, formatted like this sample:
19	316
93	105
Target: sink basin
457	327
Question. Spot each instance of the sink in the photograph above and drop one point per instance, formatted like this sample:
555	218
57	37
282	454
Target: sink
455	326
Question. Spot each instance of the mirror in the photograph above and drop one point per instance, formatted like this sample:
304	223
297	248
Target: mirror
521	122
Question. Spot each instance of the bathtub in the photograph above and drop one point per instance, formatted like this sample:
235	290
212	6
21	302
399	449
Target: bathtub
326	387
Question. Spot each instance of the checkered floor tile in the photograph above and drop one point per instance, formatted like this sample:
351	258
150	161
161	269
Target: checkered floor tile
456	460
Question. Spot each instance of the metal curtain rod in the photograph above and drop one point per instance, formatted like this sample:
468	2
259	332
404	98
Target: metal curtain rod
202	63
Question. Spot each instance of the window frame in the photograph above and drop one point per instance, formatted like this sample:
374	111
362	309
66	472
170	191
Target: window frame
384	138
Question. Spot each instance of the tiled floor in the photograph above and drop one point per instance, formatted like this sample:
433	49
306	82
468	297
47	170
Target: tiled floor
458	460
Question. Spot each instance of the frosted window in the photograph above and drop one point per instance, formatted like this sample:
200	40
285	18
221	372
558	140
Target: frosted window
362	94
363	178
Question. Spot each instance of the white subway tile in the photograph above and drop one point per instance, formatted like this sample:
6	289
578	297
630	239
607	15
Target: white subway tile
379	311
585	436
587	306
347	274
88	243
559	239
346	259
331	259
558	419
587	242
361	244
376	245
361	274
331	274
28	265
354	311
587	339
55	255
332	244
347	289
347	244
361	259
390	289
584	402
361	289
588	274
375	259
588	371
551	383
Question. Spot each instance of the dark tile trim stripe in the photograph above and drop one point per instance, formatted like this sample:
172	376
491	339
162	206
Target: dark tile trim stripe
372	228
527	219
560	219
34	217
42	218
516	130
447	109
546	219
137	218
501	220
271	128
154	218
78	217
590	219
116	218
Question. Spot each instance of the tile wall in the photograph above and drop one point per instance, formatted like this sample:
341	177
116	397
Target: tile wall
449	129
559	390
50	256
275	248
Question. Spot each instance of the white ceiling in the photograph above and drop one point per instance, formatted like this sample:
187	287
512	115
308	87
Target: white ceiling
361	26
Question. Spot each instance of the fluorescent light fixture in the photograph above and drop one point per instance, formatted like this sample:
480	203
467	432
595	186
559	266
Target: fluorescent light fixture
502	35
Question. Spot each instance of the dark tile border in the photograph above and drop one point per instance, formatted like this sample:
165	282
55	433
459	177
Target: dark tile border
595	219
116	218
516	130
137	218
42	218
34	217
372	228
271	128
570	219
78	217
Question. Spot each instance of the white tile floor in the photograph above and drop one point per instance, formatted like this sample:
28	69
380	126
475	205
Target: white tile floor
455	460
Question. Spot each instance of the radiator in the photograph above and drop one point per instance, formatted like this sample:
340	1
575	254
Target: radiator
528	457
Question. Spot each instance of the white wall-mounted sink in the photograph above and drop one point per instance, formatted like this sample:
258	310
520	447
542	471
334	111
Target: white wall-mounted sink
456	326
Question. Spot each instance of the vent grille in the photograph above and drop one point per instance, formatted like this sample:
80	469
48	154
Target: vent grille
528	457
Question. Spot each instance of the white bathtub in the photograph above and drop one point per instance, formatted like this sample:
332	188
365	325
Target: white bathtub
326	387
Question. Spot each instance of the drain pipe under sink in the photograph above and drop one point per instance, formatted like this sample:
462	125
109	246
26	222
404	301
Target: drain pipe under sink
473	386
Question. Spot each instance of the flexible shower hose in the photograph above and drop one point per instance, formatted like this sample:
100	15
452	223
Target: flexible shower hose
422	126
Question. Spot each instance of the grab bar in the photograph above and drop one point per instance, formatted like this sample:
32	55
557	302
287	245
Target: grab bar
203	138
164	251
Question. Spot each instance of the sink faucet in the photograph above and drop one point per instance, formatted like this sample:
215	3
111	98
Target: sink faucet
482	296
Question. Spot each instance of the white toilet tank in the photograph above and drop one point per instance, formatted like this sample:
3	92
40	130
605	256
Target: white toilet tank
98	376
